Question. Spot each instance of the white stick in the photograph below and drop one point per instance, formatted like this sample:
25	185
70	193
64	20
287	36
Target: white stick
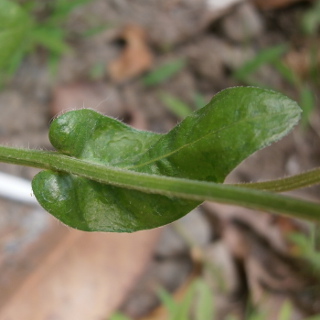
221	4
16	188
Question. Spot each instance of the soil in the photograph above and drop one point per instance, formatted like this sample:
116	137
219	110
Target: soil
252	249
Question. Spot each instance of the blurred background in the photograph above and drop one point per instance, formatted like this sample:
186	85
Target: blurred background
150	64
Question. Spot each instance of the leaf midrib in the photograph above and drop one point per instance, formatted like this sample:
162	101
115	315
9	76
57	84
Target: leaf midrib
203	137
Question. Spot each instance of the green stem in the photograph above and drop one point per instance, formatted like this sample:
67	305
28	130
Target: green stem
302	180
176	187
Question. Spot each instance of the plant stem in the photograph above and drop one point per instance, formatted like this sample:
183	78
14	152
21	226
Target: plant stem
173	187
302	180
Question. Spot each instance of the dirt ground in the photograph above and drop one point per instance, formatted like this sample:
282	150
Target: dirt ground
107	71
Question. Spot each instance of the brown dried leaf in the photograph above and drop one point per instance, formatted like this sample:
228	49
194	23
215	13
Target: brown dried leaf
135	59
302	61
80	276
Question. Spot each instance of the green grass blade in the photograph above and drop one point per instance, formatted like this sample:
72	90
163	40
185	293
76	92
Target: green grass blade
263	57
51	38
307	103
204	304
175	105
164	73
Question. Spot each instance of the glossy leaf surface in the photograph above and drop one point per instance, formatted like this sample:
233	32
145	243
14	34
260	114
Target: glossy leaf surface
205	146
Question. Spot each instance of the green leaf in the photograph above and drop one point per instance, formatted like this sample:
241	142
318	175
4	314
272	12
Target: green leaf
15	25
50	38
205	146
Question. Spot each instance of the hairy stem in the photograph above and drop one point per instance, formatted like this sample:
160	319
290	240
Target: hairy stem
302	180
177	187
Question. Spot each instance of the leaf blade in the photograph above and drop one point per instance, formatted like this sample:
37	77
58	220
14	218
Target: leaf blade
206	146
224	135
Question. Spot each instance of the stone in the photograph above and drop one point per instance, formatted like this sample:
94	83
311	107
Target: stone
180	236
243	24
